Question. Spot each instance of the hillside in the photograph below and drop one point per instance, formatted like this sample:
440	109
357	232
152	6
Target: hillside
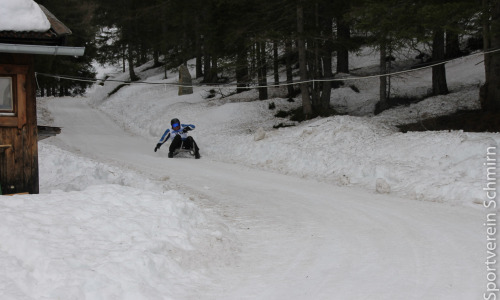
344	207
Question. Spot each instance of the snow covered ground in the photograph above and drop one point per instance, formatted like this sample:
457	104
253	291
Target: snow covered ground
344	207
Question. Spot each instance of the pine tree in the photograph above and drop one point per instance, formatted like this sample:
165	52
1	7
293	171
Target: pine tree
436	18
386	24
490	91
121	25
76	15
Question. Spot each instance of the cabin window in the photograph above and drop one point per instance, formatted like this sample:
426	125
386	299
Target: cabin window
6	97
13	95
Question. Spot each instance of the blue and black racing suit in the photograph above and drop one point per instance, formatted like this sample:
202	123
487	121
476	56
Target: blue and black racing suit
179	138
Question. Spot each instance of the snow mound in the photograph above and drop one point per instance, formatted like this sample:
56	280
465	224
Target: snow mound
108	241
90	236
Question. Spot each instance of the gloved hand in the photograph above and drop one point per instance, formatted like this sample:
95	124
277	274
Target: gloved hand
157	146
186	129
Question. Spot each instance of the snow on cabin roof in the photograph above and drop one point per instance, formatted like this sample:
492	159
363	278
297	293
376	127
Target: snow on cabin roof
22	15
38	32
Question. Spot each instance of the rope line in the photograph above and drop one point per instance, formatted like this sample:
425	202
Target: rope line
284	83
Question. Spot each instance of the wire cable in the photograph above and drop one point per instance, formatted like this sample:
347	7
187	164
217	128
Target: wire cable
284	83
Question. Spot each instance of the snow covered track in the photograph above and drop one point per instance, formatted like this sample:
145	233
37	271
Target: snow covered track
298	238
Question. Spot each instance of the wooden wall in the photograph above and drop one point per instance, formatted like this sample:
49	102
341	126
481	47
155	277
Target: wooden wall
19	162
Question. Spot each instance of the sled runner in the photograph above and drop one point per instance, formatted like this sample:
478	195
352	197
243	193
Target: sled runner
185	150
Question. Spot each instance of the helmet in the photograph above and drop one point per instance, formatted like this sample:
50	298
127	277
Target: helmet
176	122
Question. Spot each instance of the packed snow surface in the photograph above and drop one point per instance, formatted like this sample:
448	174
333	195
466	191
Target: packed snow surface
344	207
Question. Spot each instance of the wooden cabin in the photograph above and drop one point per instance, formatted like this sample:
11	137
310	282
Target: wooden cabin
18	120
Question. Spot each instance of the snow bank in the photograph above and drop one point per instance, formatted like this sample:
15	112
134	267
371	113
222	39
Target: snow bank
66	171
433	166
99	232
100	240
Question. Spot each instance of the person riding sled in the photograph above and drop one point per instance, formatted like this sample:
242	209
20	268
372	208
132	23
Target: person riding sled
180	138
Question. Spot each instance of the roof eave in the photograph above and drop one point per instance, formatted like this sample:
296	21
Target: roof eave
57	26
41	49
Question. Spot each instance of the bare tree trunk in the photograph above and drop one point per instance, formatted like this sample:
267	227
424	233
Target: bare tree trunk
486	38
258	62
327	85
491	88
241	67
156	58
389	70
199	53
143	58
439	85
130	59
289	72
207	69
327	63
276	63
343	35
164	36
213	68
382	104
306	100
124	59
452	45
253	63
316	67
262	70
185	56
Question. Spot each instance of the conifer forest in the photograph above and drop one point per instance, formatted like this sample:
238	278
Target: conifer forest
251	42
